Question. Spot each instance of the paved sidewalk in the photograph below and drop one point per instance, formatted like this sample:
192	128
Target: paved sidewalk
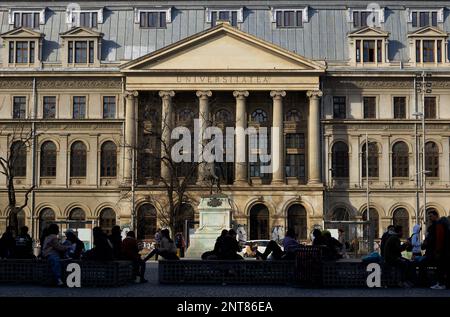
152	288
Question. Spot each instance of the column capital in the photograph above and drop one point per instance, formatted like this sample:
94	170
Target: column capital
164	94
314	94
277	94
203	94
131	94
240	94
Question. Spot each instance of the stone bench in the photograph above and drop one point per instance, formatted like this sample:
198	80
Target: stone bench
93	273
226	272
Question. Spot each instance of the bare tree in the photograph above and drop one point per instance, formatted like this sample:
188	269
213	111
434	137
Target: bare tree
22	138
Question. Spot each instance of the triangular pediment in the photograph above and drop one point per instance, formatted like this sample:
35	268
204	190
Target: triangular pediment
369	32
428	31
81	32
223	48
21	32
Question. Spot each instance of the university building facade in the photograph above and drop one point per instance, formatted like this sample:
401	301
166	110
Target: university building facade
91	80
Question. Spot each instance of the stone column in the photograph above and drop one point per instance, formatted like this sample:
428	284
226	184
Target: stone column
166	129
203	120
314	158
240	164
130	132
277	139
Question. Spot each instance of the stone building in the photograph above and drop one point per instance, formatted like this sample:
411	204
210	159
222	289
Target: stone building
91	78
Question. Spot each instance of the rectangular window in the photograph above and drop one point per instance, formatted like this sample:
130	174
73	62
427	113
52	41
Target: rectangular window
11	52
91	52
424	19
414	19
428	51
369	51
430	107
17	20
32	52
94	19
360	18
21	52
36	18
379	50
70	54
79	107
19	107
339	108
88	19
295	141
109	107
434	18
295	165
153	19
80	52
27	20
399	107
370	107
418	52
49	107
289	18
439	51
358	51
225	15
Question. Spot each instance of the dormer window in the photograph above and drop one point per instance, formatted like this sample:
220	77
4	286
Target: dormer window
421	17
27	19
368	46
290	17
84	18
21	48
428	45
81	48
153	18
234	16
365	17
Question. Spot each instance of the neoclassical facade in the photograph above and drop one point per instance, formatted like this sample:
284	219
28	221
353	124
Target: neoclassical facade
338	81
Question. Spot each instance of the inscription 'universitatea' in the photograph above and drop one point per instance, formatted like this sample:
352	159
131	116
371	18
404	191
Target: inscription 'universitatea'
224	79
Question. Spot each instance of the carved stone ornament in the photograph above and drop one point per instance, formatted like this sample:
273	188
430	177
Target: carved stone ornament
214	202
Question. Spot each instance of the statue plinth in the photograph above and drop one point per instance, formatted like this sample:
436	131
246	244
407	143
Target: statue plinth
215	216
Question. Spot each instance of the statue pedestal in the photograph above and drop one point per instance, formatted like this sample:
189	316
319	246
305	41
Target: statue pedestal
215	215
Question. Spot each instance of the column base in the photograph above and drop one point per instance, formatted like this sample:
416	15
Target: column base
240	183
314	182
277	182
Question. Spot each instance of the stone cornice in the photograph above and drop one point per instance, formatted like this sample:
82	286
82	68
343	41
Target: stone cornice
57	83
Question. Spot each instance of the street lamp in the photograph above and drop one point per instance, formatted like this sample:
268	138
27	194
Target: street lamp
423	86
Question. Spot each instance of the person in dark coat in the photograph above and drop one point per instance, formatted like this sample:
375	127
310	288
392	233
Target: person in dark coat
23	245
390	231
116	240
230	247
7	243
102	250
218	246
76	245
130	251
393	256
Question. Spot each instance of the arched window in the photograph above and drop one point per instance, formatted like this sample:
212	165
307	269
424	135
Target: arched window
400	160
259	116
223	116
107	220
17	220
340	214
108	160
78	215
78	159
373	160
432	159
297	221
48	159
340	161
185	115
401	218
46	217
146	222
293	115
259	222
374	222
18	159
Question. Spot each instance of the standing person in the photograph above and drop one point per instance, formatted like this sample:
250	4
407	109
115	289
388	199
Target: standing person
24	245
51	250
180	244
130	251
390	231
167	248
415	242
7	243
157	242
317	238
116	240
436	247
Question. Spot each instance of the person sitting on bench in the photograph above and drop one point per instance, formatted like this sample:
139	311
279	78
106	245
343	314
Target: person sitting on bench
214	254
167	248
290	246
230	247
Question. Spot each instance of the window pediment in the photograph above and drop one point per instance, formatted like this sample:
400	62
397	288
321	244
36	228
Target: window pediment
81	32
369	32
21	48
428	31
21	33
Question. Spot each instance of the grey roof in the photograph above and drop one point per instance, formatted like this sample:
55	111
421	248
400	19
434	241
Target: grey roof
323	37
